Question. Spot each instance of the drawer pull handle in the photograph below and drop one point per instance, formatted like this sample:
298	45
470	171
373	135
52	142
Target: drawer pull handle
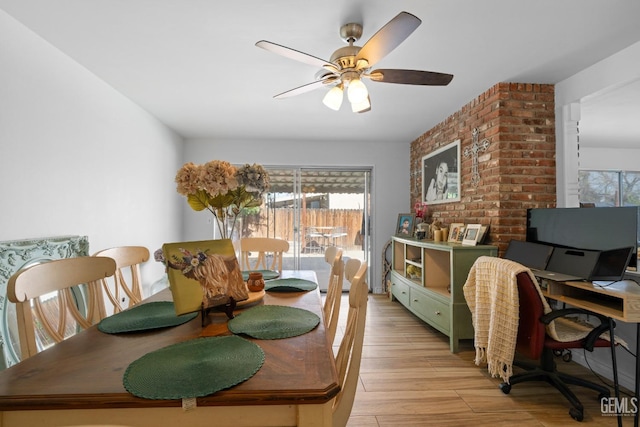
437	313
404	292
415	300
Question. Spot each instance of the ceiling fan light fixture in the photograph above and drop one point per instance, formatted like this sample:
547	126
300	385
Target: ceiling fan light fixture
361	107
357	91
333	98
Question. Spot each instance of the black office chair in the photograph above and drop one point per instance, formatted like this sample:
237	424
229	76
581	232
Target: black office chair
534	343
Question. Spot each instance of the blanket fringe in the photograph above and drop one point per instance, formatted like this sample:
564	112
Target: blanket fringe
496	368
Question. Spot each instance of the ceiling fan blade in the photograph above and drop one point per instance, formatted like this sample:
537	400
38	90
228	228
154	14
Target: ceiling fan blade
296	55
410	77
306	88
389	37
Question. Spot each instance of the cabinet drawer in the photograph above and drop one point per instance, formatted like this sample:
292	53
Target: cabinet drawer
435	311
400	291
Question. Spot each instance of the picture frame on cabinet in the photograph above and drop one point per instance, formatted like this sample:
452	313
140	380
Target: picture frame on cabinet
441	175
484	230
406	224
471	234
455	230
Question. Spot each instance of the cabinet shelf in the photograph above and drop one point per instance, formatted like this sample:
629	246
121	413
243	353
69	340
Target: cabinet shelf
436	297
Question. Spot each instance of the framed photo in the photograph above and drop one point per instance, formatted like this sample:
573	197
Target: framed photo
484	229
441	175
406	224
471	234
454	231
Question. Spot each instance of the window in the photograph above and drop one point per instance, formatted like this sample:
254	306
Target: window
609	188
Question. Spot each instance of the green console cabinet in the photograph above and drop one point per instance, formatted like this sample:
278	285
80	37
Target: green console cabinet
427	278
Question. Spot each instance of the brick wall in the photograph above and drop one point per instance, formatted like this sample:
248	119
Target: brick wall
517	171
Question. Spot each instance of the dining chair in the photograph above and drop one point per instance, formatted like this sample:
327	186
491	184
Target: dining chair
262	253
50	306
125	284
331	308
351	267
350	350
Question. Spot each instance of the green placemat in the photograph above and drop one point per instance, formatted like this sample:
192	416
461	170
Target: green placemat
290	284
266	274
270	322
193	368
152	315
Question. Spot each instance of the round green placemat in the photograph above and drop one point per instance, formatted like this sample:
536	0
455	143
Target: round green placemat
266	274
193	368
152	315
270	322
290	284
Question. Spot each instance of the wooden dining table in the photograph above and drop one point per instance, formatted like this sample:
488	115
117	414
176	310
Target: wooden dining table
80	380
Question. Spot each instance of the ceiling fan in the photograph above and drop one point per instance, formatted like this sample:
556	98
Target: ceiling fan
350	64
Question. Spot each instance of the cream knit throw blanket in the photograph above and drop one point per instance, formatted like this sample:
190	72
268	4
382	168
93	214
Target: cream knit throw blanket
491	292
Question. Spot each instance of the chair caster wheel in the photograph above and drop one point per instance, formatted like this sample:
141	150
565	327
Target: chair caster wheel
576	414
567	356
557	353
506	388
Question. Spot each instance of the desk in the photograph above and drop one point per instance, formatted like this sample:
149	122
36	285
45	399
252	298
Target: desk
619	301
79	381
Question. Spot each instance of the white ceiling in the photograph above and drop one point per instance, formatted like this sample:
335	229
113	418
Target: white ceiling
193	63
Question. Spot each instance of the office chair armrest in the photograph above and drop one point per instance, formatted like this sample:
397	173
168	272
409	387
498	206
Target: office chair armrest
606	323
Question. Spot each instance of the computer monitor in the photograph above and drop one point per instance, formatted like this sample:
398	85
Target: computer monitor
586	228
529	254
611	264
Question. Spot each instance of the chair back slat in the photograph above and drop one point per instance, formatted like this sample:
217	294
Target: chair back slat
331	308
268	253
57	298
350	350
124	288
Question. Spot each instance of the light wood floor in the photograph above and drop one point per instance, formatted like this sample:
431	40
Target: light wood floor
408	377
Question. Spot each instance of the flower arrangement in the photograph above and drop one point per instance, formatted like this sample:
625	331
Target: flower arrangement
222	189
421	209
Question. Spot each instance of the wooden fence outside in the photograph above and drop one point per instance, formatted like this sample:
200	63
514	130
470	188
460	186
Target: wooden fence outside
349	221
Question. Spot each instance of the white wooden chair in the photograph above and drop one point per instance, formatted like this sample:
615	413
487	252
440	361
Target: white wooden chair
351	267
268	253
47	309
126	283
350	350
331	308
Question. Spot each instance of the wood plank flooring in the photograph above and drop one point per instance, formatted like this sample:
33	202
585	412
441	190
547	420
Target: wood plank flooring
408	377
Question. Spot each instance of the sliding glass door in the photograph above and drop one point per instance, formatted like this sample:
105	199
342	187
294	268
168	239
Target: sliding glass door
313	208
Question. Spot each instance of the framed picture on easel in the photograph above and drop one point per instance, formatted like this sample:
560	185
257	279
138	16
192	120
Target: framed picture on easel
455	230
471	234
406	224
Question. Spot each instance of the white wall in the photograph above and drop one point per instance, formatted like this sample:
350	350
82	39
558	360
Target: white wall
77	157
607	159
619	69
390	178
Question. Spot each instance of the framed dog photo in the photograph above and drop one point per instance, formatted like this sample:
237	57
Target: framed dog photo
406	224
454	231
471	234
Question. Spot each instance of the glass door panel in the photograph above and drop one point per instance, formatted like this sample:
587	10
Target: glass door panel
313	208
333	213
